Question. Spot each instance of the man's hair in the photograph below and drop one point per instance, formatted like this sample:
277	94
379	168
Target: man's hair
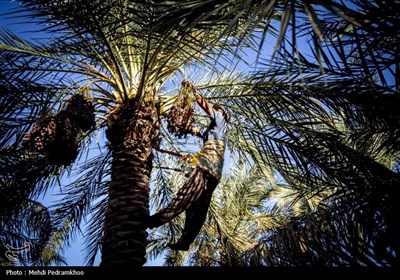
225	113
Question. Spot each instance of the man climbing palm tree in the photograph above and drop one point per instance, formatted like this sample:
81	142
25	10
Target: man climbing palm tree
195	195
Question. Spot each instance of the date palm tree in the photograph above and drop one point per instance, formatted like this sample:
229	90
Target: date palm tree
119	57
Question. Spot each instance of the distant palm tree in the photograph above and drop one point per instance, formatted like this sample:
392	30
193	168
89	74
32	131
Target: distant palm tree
117	57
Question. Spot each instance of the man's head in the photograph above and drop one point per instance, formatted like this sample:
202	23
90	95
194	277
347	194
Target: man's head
224	112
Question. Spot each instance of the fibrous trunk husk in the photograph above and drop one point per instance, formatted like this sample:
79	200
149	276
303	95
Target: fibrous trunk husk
132	133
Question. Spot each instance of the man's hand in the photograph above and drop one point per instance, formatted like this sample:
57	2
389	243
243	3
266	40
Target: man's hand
195	131
199	98
187	157
187	84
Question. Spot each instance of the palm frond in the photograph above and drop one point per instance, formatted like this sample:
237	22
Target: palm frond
84	196
24	174
329	237
28	227
95	227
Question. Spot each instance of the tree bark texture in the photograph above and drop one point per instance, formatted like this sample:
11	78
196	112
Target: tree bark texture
132	133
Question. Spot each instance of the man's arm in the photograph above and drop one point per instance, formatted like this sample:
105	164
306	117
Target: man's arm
202	101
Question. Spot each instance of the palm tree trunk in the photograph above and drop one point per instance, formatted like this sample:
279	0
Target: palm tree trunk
132	133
